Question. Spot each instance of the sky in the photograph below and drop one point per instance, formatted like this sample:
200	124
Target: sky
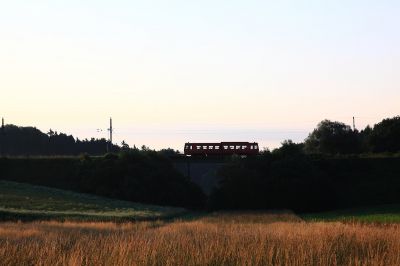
170	72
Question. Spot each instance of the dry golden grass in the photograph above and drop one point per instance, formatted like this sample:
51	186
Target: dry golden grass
229	239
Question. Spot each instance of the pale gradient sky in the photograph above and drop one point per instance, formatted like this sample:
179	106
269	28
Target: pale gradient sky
176	71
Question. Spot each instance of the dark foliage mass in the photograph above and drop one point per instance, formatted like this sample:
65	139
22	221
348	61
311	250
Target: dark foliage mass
385	136
285	178
290	179
140	176
23	141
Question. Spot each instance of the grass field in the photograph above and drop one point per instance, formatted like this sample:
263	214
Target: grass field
78	229
371	214
27	202
218	239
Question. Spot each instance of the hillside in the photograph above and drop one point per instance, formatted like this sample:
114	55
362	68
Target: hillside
19	201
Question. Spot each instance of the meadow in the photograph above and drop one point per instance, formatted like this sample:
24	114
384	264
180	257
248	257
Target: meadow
216	239
20	201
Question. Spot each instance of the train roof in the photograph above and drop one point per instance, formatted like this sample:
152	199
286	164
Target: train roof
222	143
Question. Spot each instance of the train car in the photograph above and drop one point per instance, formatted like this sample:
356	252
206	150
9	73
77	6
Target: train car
221	149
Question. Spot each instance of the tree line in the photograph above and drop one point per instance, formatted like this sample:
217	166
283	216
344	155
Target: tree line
28	141
328	138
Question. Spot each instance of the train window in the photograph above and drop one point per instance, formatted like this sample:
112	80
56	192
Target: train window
232	147
251	147
238	147
191	147
186	147
256	147
225	147
217	147
244	147
198	147
210	147
204	147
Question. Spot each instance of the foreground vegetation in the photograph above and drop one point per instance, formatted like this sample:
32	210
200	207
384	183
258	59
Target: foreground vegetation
219	239
80	229
27	202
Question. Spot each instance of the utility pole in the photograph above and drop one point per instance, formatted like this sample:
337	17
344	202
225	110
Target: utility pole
111	131
354	124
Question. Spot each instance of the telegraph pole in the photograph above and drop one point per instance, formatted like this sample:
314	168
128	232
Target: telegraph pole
354	124
111	131
109	141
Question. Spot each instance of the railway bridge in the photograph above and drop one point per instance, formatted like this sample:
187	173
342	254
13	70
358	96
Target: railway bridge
201	170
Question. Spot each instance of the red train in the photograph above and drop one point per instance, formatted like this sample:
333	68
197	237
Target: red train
223	148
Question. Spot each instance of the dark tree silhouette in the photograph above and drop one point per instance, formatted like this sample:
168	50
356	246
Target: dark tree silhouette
385	136
333	138
124	146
